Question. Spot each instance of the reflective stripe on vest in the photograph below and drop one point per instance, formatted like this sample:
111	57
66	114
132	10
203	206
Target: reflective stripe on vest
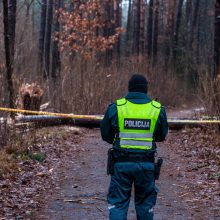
136	143
134	135
137	123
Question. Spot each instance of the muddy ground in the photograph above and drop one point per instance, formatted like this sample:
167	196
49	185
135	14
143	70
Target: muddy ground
80	185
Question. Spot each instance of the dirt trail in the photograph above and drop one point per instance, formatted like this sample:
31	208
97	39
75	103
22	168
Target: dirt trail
80	193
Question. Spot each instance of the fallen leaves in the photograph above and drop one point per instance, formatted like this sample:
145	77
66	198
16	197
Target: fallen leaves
197	167
25	181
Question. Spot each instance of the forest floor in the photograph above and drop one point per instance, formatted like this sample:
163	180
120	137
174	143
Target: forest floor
71	183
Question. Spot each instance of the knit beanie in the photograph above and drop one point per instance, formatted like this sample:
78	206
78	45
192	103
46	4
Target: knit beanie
138	83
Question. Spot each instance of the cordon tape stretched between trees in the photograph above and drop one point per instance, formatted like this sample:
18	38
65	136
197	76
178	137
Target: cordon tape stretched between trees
95	117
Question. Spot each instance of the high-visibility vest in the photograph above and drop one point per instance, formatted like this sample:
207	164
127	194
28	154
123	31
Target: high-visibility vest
137	124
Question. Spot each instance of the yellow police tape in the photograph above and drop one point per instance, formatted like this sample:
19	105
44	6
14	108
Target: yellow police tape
193	121
94	117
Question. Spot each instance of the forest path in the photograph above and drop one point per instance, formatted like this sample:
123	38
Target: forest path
82	184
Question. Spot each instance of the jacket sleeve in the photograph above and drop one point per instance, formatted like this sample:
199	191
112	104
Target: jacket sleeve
109	124
161	126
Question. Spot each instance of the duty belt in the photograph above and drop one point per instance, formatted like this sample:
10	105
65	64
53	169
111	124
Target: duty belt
134	159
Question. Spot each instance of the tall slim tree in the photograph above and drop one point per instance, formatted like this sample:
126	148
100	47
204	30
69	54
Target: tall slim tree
188	13
108	29
129	28
176	28
170	17
136	30
217	38
56	63
48	35
150	29
117	23
155	30
43	16
142	26
194	20
12	8
9	17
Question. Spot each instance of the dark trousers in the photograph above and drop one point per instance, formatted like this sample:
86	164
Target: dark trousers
141	174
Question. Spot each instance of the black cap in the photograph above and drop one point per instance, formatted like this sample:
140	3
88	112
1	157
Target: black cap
138	83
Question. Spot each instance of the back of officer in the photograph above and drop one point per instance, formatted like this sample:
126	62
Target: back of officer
133	124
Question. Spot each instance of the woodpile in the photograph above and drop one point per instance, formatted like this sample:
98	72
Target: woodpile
30	96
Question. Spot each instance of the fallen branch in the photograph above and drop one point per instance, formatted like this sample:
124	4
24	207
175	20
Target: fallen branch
93	121
56	120
86	122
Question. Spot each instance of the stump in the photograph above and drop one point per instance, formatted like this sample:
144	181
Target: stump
30	97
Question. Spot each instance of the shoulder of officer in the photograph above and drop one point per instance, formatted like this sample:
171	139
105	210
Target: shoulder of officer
156	104
111	104
112	110
121	101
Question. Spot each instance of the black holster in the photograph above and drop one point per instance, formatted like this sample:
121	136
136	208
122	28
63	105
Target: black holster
157	167
110	164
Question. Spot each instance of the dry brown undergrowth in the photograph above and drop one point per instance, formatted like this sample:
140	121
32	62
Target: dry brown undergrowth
7	163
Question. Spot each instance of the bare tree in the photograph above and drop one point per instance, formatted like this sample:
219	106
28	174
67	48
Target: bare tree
142	26
188	13
170	21
176	28
155	30
56	63
195	19
136	30
117	22
129	28
217	38
9	8
42	34
150	29
109	29
48	34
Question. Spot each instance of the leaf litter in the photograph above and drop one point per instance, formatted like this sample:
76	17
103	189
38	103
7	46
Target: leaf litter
198	167
196	157
29	177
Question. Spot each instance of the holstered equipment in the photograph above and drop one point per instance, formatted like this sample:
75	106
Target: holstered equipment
134	159
110	164
157	167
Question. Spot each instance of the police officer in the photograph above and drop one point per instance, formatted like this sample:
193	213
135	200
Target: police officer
133	124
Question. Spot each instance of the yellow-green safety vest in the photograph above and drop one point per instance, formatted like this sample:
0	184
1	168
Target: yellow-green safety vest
137	123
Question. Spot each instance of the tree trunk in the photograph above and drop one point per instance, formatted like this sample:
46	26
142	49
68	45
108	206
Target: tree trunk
217	38
142	24
129	29
162	15
155	32
197	28
42	35
48	35
176	28
9	10
12	7
117	18
150	29
171	5
108	30
136	30
56	63
195	20
188	13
